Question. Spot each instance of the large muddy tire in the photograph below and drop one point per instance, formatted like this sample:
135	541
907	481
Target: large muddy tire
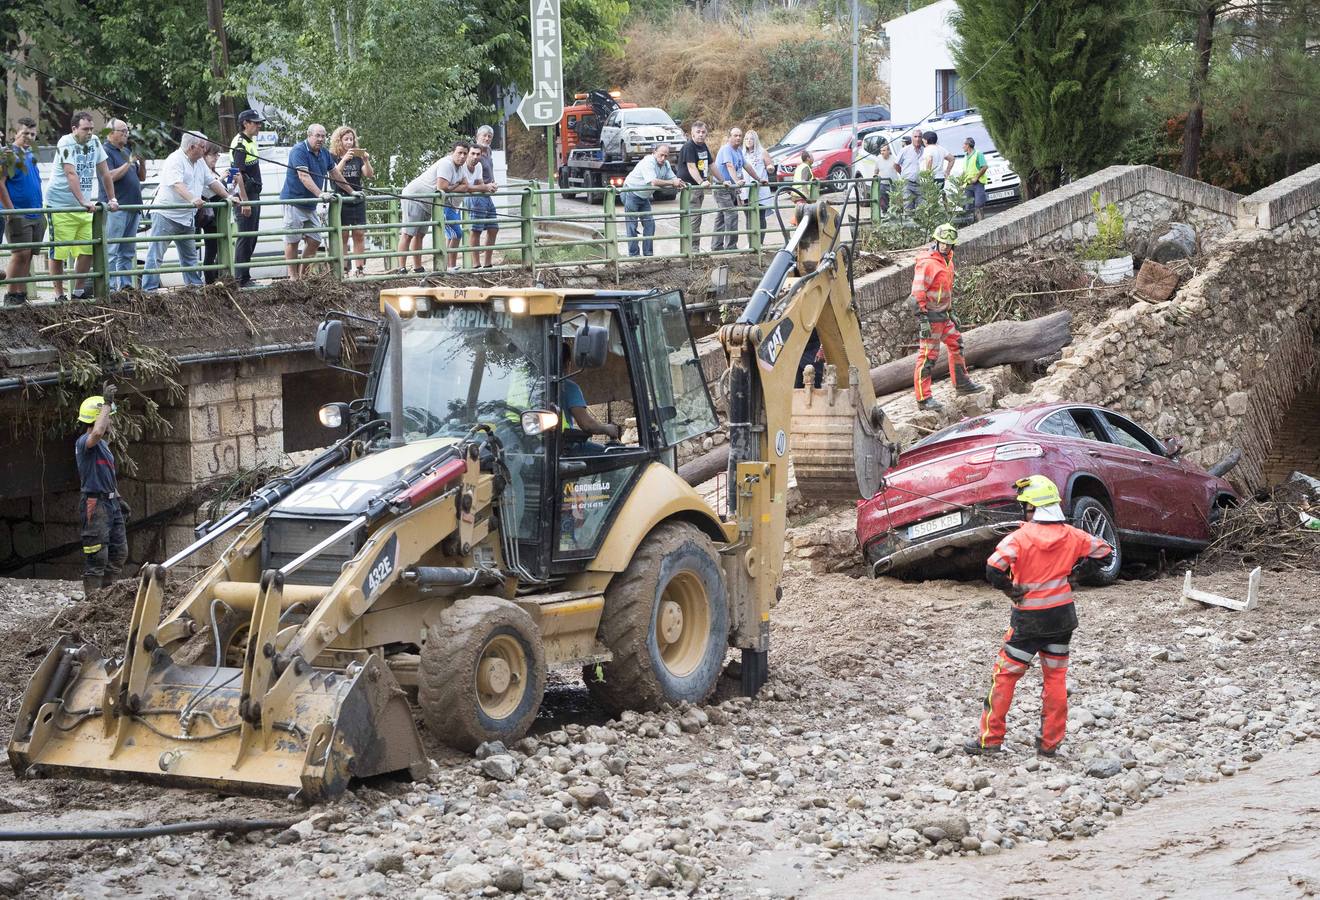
482	673
1093	517
666	620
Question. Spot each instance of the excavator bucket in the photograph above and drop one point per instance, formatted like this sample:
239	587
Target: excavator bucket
840	451
146	716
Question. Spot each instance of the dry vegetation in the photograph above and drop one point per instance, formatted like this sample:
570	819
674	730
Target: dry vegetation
719	72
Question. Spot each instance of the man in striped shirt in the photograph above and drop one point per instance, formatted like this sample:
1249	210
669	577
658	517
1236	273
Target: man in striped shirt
1032	566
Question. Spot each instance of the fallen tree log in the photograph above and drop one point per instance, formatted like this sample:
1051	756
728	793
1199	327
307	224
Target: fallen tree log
996	344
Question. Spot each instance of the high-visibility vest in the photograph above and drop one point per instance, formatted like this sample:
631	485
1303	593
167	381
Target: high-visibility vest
973	162
1041	556
250	169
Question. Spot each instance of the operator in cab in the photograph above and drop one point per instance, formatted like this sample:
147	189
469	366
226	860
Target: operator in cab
102	513
575	413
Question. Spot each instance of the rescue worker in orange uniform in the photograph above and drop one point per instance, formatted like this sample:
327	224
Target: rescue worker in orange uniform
1032	565
932	295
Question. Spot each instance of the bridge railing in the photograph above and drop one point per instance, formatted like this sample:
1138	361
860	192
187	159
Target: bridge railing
526	235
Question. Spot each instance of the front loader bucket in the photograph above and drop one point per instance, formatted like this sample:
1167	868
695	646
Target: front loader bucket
189	726
840	451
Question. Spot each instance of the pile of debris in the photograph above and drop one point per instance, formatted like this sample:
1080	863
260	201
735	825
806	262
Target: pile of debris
1278	532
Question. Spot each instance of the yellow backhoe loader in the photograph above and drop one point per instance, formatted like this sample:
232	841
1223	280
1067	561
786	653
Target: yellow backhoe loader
464	537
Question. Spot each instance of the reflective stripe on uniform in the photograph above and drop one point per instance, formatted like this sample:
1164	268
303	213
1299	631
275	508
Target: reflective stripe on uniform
1050	585
1018	654
1056	649
1050	661
1045	602
94	548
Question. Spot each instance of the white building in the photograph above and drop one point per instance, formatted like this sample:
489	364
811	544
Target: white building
922	77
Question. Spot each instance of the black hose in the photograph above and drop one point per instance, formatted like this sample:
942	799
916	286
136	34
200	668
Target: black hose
221	826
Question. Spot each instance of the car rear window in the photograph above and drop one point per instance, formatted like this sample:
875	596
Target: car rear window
973	427
1061	423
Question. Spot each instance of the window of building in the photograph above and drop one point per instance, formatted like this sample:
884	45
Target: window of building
948	92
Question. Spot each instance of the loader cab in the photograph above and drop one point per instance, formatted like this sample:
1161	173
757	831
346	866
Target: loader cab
485	357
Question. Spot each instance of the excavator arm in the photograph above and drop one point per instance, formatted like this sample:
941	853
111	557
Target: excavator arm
838	438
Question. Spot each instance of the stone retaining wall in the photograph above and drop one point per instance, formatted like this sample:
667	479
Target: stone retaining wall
1223	361
1148	197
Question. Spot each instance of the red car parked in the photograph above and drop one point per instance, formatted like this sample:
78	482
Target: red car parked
951	496
831	156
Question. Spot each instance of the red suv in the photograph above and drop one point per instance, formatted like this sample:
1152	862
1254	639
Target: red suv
831	157
951	496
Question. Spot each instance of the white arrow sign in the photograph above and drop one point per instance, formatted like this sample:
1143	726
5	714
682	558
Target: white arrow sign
545	104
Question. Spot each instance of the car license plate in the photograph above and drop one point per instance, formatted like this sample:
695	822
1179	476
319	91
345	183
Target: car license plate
921	529
1001	195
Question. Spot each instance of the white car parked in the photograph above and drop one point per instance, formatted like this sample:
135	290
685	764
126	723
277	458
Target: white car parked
630	134
1003	184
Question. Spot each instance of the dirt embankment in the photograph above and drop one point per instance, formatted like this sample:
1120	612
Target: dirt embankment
848	759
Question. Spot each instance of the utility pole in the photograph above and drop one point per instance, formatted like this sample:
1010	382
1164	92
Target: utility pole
856	40
228	118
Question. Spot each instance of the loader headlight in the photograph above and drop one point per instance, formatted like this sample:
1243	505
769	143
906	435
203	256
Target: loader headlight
332	414
539	421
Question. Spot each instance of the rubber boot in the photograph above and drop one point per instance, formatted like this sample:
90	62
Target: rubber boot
963	383
91	584
1042	751
974	747
930	403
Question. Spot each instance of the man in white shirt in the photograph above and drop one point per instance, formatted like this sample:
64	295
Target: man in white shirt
446	176
935	159
183	177
652	171
909	167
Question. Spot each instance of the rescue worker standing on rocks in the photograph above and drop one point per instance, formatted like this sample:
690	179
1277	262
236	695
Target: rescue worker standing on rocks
932	295
1032	566
105	542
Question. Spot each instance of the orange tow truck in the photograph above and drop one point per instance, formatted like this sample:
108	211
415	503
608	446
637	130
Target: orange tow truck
586	159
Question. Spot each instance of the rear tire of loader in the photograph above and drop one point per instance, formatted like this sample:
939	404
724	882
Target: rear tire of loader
666	620
482	673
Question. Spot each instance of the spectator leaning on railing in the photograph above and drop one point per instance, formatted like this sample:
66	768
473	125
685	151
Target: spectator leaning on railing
730	173
760	165
183	178
651	172
20	188
307	178
127	169
445	174
694	164
207	218
480	204
79	159
352	164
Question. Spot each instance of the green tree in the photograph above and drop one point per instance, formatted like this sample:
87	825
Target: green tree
1228	91
404	73
1052	79
153	57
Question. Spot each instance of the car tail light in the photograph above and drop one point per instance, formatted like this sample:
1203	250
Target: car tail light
1005	452
616	181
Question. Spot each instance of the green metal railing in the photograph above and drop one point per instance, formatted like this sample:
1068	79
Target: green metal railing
528	236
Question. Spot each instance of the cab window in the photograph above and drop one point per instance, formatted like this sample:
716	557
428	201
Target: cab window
683	409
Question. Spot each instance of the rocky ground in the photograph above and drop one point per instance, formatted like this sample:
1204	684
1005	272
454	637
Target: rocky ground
846	769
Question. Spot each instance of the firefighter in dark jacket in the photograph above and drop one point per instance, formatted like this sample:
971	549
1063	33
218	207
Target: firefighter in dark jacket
1032	566
105	542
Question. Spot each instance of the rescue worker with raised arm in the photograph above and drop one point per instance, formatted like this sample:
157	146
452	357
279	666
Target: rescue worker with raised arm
104	539
932	299
1032	566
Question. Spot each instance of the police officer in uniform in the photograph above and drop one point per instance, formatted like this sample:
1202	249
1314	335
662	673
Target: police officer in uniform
105	542
244	158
